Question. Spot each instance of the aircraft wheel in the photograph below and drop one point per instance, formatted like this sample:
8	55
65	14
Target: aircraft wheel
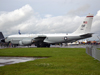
48	45
38	45
41	44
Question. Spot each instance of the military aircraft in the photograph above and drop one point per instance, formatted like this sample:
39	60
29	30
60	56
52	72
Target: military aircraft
44	40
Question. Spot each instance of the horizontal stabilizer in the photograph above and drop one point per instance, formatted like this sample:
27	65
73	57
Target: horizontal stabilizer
87	35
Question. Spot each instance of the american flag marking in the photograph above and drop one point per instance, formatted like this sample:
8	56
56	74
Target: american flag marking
85	22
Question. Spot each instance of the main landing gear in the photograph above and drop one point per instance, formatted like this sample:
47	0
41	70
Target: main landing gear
42	44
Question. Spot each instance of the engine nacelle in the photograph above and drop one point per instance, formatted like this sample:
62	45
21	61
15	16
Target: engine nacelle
25	42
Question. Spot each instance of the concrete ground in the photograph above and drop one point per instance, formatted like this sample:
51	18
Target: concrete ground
12	60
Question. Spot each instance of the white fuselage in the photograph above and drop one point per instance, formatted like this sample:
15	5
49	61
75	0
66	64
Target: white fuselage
50	38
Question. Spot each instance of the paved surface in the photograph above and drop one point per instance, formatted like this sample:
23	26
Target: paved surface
58	46
13	60
75	46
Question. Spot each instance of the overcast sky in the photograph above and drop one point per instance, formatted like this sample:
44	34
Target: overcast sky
47	16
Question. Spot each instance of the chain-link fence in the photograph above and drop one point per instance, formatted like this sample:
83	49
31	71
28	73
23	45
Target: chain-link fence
93	51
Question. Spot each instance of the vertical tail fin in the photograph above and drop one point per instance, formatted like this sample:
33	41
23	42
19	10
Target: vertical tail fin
2	37
85	27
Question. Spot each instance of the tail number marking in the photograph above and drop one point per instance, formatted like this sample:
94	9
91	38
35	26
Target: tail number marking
82	27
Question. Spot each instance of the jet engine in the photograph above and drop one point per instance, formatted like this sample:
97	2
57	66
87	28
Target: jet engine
25	42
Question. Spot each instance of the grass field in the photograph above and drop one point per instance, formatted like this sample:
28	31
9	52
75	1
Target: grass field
62	61
98	48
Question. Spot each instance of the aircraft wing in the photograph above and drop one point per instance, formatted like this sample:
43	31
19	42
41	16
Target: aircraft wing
39	38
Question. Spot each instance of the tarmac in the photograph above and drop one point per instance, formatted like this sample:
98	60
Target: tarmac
12	60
